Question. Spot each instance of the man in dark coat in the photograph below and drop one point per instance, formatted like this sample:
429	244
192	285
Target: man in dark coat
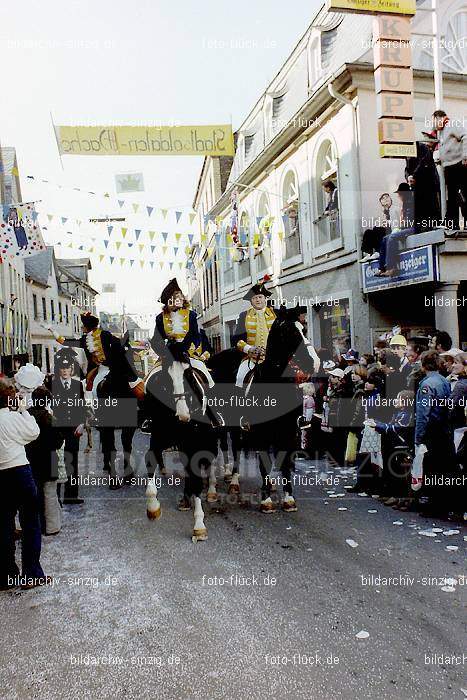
69	411
421	174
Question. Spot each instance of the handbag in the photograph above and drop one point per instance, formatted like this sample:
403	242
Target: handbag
351	448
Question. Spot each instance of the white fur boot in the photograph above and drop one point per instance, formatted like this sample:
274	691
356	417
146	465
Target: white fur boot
267	506
234	484
200	534
153	506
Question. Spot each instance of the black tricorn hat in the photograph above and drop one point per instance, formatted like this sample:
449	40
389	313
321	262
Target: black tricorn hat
168	291
89	320
65	357
259	288
300	309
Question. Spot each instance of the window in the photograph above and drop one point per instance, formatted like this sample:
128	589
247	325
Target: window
52	310
277	112
262	244
290	216
244	234
47	359
44	309
34	307
328	40
60	312
327	221
67	317
249	141
37	355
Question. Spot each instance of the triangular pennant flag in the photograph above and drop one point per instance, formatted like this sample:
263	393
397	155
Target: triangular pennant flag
164	213
130	245
109	229
203	238
151	235
70	245
50	217
161	264
64	219
15	171
118	244
178	215
259	220
111	260
137	233
153	248
106	194
191	217
178	236
180	265
281	235
190	238
164	249
140	246
81	247
135	206
101	257
122	260
79	222
124	232
131	263
175	250
121	202
164	235
91	250
106	243
171	265
149	210
141	262
151	262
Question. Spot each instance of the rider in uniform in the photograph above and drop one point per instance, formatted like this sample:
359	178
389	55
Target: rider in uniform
177	332
251	333
103	352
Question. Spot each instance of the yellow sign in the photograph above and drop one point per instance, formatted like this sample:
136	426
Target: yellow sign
397	150
387	7
214	140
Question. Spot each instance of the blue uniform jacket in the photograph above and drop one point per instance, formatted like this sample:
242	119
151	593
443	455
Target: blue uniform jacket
158	341
432	410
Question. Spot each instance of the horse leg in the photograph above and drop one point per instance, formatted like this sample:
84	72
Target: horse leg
212	489
127	444
224	445
153	506
235	483
265	466
287	466
110	454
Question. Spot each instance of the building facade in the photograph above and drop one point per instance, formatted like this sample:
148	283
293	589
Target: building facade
14	317
316	123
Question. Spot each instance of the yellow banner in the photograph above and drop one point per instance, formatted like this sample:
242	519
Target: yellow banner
387	7
216	140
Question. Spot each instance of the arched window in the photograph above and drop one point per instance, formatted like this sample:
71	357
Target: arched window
454	53
244	239
227	259
327	194
263	236
290	215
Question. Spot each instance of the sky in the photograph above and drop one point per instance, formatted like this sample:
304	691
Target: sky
116	62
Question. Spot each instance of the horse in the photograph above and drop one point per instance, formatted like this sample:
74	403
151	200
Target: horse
176	401
270	386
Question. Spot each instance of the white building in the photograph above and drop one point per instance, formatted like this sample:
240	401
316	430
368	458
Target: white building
317	121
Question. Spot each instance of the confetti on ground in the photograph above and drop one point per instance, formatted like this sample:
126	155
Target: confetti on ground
372	511
448	589
437	529
427	533
352	543
342	509
362	635
288	528
450	532
363	494
397	522
452	548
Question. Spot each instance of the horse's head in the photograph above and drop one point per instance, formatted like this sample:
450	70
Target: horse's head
286	342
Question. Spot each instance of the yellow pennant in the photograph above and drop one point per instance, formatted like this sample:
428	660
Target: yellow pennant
135	206
124	232
178	236
122	260
118	244
161	265
101	257
140	246
164	213
164	249
141	262
191	217
151	235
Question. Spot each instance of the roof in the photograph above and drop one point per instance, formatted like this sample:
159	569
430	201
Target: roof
38	266
75	262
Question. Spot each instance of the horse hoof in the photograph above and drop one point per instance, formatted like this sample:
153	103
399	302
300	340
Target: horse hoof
234	489
267	506
211	497
154	514
184	504
289	505
200	535
227	476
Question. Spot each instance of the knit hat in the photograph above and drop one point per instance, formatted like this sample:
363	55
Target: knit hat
29	377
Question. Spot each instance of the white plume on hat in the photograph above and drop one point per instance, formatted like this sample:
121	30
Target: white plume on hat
29	377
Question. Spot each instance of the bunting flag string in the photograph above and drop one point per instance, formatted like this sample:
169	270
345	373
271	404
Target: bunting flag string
150	208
